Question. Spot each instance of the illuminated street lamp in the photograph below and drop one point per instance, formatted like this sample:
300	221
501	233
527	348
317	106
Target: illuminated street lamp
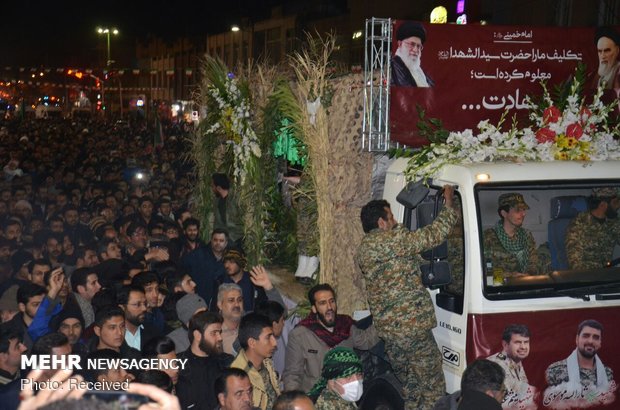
234	28
107	31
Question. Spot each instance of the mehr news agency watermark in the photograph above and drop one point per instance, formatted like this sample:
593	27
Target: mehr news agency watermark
73	362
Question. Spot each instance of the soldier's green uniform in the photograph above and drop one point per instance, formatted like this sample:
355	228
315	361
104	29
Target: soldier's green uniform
507	260
305	205
228	216
518	389
328	400
511	254
557	373
456	253
402	307
590	241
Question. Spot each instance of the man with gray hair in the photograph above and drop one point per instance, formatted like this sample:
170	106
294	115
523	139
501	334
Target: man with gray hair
230	305
607	42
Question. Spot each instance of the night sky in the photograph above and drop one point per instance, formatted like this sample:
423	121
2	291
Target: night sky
62	33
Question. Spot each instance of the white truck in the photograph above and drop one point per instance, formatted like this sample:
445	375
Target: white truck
473	309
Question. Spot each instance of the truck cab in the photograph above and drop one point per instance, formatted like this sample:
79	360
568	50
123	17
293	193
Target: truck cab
478	300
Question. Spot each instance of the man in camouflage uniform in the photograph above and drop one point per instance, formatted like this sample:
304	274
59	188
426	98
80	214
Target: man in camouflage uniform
582	373
307	232
515	349
507	245
227	213
591	236
402	308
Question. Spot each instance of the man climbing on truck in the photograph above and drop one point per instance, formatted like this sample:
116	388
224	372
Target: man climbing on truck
401	306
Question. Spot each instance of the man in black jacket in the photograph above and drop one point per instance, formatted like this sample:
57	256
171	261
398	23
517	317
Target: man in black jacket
205	362
29	297
205	265
482	386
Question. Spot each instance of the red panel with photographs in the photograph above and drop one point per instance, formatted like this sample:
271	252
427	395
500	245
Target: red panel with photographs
554	349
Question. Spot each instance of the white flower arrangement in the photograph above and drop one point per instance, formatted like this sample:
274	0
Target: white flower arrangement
579	131
235	123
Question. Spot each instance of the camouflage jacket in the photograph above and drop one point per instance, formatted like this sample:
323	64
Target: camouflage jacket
516	380
557	373
232	219
505	260
590	242
331	401
390	263
262	395
514	371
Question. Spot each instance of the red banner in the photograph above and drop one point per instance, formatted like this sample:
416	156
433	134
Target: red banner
477	72
553	338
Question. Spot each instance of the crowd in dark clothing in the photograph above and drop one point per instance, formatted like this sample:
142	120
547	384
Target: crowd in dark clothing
96	242
101	257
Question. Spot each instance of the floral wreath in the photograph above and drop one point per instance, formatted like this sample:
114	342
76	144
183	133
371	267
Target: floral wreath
561	130
235	123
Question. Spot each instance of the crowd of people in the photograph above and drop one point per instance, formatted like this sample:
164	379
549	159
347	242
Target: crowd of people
101	259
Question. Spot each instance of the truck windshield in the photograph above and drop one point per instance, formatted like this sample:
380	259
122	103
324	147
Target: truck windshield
549	239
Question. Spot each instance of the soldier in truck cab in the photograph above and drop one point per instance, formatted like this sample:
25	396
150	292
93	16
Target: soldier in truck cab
591	236
508	245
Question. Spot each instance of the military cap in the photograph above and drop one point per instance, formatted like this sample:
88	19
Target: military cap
512	200
604	192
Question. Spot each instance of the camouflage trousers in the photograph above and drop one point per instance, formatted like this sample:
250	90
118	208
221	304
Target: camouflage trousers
417	364
307	229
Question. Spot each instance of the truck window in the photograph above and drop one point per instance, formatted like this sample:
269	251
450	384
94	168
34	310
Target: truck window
549	239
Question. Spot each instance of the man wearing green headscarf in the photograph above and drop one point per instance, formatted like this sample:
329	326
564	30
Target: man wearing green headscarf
508	245
341	383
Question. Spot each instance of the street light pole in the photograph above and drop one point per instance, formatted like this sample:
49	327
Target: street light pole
109	61
107	31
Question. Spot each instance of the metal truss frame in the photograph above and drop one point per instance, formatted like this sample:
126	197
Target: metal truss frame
375	127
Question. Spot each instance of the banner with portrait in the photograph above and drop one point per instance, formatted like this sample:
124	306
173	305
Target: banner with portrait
547	377
463	74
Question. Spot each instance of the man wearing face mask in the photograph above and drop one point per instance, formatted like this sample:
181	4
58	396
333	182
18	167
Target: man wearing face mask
341	383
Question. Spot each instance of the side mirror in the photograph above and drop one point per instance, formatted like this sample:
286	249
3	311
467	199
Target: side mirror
412	194
435	274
